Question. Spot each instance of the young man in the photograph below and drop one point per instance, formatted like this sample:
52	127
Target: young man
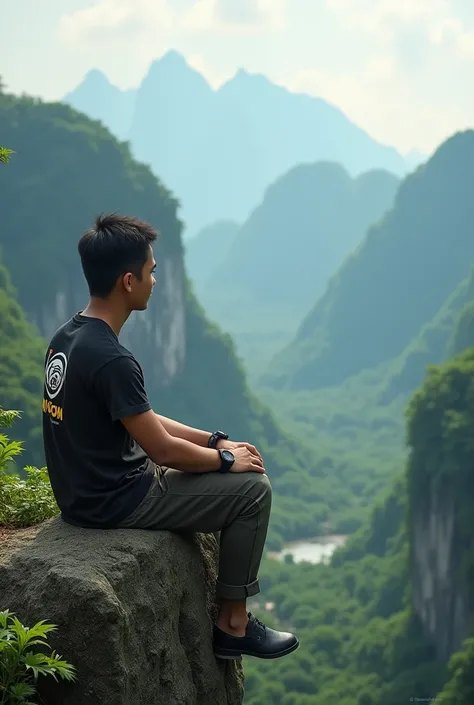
114	463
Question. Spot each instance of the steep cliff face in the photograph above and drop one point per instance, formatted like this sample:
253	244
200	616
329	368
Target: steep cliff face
442	596
441	496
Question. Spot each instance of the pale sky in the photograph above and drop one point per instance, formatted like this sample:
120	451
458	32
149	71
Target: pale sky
401	69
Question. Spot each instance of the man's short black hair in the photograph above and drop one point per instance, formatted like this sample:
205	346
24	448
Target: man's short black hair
117	244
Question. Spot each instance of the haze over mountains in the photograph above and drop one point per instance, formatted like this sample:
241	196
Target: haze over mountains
100	100
218	150
284	254
208	251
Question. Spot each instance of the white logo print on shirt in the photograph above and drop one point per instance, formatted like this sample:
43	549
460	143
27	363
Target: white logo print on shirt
55	374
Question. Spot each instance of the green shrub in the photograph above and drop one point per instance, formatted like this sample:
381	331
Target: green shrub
5	155
23	502
20	664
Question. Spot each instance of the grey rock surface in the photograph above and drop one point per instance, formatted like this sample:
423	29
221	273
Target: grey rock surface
134	609
441	591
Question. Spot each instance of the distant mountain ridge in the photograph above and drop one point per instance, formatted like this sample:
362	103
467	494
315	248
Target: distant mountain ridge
101	100
208	250
273	266
394	285
218	150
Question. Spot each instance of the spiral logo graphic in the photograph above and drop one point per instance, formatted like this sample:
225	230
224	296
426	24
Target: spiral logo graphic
55	374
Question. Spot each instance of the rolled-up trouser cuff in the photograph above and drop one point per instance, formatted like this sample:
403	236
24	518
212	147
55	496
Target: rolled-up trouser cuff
237	592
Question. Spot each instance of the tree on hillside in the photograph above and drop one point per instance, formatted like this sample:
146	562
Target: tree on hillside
460	688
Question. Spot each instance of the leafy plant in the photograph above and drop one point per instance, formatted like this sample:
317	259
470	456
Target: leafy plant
5	155
8	449
23	502
7	418
20	664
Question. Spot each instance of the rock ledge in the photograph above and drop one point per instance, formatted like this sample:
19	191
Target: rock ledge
134	610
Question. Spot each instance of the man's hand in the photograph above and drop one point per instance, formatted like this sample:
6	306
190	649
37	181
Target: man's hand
229	445
245	460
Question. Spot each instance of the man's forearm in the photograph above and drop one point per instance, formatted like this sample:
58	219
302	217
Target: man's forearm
180	430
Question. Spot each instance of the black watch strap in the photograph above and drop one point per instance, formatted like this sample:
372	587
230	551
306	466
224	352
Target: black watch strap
217	436
227	460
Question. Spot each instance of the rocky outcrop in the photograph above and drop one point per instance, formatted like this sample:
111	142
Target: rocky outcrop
442	592
134	609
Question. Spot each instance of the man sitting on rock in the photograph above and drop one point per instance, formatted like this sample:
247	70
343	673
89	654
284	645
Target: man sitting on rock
114	463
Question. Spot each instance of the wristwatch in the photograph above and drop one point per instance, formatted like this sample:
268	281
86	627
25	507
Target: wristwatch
227	460
216	436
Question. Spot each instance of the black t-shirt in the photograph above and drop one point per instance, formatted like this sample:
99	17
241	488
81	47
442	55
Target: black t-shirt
98	473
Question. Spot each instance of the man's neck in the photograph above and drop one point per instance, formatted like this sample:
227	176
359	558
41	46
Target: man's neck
113	315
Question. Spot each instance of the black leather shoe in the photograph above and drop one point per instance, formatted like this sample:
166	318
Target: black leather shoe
259	641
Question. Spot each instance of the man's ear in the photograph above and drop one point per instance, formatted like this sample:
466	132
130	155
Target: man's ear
127	281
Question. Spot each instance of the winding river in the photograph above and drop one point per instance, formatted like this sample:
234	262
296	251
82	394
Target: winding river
316	550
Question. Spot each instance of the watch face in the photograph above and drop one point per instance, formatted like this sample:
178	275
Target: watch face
228	456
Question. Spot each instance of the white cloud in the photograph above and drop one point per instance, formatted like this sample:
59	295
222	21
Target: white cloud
387	19
357	96
235	16
121	37
407	82
116	17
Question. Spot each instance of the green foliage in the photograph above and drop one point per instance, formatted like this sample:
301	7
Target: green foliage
40	251
440	422
17	338
21	663
8	418
439	339
8	449
21	369
5	155
460	685
23	501
360	643
357	448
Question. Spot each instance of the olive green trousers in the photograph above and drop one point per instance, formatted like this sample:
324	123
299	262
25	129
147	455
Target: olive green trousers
235	504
